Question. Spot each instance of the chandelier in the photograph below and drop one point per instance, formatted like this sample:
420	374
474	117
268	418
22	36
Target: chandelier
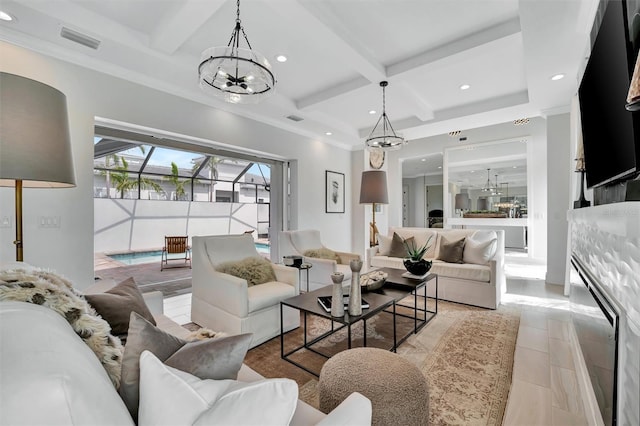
234	73
487	186
384	137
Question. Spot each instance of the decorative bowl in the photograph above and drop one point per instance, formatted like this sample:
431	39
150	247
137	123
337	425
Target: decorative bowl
372	281
419	267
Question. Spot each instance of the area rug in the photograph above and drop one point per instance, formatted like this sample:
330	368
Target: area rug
466	354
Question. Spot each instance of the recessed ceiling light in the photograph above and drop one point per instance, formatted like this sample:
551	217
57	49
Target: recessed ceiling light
515	167
439	167
373	111
328	133
5	16
464	87
557	77
473	171
281	58
424	159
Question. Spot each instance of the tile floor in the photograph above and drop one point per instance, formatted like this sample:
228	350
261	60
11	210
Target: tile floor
544	387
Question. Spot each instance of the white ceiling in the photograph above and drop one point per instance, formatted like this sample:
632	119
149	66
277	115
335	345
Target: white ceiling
338	51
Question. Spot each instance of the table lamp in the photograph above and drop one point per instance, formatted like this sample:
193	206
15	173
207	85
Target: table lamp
35	149
373	189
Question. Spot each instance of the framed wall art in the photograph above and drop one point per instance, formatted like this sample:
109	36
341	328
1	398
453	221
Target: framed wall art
334	202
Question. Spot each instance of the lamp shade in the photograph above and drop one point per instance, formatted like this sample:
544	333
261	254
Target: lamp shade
34	134
462	201
373	188
483	204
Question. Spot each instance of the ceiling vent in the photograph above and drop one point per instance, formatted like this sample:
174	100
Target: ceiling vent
294	118
79	38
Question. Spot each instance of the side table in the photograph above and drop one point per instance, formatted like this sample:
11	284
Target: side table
303	267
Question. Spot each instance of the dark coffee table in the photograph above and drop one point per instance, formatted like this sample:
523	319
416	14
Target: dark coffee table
400	287
307	303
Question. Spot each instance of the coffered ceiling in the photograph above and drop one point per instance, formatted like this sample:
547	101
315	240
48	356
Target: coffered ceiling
338	51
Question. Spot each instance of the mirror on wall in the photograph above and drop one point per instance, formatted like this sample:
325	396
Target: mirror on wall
487	180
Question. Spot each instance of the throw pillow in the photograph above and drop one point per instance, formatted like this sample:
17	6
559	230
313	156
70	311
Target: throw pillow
398	249
480	247
256	270
116	304
384	245
323	253
53	291
170	396
208	359
451	251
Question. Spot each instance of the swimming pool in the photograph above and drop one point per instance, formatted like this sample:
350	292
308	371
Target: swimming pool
137	258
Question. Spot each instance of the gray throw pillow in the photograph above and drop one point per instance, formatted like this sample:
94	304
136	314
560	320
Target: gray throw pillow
207	359
398	249
116	304
451	251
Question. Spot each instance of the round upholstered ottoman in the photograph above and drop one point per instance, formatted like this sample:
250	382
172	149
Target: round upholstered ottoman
397	389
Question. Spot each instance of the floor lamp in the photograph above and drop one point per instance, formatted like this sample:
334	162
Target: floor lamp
35	149
373	189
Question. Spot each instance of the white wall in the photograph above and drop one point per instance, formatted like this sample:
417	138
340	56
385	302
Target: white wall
559	172
122	225
69	249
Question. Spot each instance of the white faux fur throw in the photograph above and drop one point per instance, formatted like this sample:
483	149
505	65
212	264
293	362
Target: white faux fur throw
50	290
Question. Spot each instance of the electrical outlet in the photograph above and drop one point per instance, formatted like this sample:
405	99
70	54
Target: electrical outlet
5	222
49	222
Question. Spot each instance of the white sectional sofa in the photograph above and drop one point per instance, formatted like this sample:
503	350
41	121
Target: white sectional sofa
469	283
49	376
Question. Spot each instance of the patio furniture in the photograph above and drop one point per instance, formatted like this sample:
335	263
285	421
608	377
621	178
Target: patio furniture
175	245
301	242
224	302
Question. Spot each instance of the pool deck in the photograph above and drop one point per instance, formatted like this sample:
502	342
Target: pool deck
172	281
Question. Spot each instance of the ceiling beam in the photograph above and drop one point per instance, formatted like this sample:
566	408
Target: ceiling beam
331	92
181	22
468	42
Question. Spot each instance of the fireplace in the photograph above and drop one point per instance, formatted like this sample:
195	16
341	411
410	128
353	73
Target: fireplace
595	321
605	302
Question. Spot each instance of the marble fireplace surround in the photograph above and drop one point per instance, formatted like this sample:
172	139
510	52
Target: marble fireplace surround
606	239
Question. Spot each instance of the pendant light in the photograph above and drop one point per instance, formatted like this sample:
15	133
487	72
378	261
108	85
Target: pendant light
383	136
495	190
234	73
487	186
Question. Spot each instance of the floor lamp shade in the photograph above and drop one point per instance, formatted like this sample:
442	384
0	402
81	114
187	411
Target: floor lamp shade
373	188
34	135
35	148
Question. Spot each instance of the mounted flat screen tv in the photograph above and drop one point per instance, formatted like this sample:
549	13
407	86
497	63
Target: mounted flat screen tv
611	134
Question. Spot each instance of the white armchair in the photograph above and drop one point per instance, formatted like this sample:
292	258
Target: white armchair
226	303
298	242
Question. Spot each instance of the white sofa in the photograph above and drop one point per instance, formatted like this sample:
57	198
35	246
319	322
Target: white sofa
226	303
469	283
298	242
49	376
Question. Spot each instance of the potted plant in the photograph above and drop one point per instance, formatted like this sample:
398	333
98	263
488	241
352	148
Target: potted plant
415	263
